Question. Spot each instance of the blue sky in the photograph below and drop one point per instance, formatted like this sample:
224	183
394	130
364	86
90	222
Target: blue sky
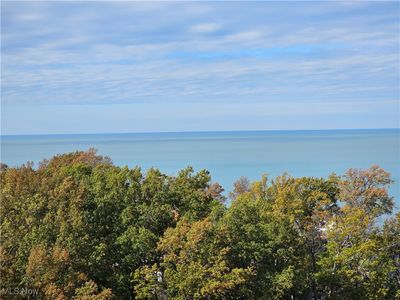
88	67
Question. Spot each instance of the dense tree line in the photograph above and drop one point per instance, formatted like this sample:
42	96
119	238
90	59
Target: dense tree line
78	227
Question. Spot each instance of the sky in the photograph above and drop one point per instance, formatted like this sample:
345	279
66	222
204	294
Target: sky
103	67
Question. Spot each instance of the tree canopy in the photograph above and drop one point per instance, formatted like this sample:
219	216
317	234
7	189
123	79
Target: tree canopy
79	227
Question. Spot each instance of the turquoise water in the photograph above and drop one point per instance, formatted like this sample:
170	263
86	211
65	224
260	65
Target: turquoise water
227	155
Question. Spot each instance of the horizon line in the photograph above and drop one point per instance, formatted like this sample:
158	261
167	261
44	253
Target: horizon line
198	131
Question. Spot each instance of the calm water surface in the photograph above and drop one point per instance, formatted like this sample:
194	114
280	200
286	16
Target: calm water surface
227	155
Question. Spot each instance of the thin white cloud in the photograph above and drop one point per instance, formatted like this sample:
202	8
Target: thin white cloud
244	36
29	17
206	28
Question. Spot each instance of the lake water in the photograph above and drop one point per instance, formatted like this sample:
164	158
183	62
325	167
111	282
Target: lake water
227	155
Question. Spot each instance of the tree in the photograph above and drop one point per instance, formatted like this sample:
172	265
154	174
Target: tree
50	271
240	186
360	261
194	265
215	191
367	189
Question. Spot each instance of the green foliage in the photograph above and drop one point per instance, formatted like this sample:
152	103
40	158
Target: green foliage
106	219
78	227
194	264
